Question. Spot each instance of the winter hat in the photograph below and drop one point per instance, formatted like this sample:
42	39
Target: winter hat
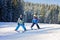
35	16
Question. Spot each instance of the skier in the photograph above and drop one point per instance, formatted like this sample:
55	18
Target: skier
20	23
35	21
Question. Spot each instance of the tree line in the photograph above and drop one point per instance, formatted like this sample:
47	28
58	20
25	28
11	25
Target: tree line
11	9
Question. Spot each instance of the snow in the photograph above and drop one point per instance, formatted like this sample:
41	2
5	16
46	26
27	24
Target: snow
47	32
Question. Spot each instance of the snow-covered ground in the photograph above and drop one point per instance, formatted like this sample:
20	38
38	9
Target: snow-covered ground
47	32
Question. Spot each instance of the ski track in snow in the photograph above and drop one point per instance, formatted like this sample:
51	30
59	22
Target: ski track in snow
47	32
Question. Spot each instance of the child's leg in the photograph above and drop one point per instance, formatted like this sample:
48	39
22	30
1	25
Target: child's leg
17	27
37	26
32	25
24	27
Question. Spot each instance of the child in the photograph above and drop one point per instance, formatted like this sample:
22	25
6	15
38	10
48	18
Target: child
35	21
20	23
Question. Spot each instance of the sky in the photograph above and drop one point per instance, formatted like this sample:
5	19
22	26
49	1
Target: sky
57	2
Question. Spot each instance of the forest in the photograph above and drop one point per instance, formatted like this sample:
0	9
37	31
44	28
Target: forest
11	9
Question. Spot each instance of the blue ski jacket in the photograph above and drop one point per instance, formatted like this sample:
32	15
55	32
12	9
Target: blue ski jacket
35	20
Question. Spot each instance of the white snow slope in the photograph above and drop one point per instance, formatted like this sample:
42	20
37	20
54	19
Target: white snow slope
47	32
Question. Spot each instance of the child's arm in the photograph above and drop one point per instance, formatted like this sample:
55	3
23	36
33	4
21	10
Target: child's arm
32	20
18	20
23	21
